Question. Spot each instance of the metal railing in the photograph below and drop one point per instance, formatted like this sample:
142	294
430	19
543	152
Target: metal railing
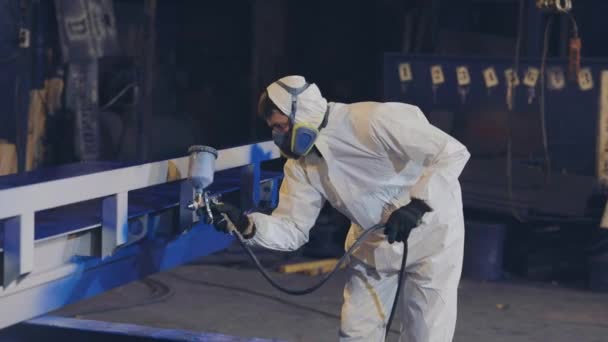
18	205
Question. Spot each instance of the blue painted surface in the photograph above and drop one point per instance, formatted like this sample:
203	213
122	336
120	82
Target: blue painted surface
93	275
571	113
483	252
60	220
137	330
130	263
69	329
257	156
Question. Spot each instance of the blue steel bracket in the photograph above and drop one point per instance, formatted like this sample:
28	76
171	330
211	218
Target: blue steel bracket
43	272
250	186
52	328
250	193
18	258
115	225
269	192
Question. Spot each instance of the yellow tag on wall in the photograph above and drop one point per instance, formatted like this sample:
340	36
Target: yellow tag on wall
531	77
437	75
490	77
405	72
556	78
511	77
463	76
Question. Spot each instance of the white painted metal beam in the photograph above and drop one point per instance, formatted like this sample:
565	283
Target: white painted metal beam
115	223
18	247
51	194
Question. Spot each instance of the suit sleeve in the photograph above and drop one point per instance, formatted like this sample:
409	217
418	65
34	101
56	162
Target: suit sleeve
287	229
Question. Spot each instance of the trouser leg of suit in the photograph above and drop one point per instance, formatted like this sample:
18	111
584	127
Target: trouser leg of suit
428	301
368	296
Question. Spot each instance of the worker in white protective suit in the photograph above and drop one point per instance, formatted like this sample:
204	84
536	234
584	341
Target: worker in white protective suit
375	163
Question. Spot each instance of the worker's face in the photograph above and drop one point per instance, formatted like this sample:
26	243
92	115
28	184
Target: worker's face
278	122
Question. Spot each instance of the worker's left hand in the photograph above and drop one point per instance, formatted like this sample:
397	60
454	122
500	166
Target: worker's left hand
403	220
228	217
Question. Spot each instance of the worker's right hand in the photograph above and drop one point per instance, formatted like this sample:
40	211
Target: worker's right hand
228	217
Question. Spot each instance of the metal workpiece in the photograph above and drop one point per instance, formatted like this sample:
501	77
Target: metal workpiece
78	230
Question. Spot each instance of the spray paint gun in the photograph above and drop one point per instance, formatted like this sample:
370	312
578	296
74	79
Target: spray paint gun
201	167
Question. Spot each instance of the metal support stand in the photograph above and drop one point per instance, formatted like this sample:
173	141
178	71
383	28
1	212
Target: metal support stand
18	247
115	224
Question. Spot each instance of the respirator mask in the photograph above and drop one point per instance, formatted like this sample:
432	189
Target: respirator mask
301	137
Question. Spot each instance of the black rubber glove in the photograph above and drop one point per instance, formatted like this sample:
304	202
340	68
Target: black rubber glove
225	215
403	220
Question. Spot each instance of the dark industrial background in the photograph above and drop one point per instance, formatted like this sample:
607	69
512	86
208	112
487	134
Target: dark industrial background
205	62
110	83
164	75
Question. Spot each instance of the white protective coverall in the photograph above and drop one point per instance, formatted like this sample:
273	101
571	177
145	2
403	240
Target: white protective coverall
375	157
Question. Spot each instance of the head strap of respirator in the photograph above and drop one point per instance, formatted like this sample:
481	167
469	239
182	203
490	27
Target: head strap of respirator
303	135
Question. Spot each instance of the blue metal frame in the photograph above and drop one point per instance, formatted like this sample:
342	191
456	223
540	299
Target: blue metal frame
163	246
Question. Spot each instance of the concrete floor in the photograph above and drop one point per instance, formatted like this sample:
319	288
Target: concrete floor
233	299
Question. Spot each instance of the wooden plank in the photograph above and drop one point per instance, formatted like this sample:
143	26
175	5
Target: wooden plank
310	267
42	102
173	173
35	130
8	158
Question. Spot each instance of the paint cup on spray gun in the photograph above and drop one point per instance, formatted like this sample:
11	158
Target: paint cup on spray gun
201	168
